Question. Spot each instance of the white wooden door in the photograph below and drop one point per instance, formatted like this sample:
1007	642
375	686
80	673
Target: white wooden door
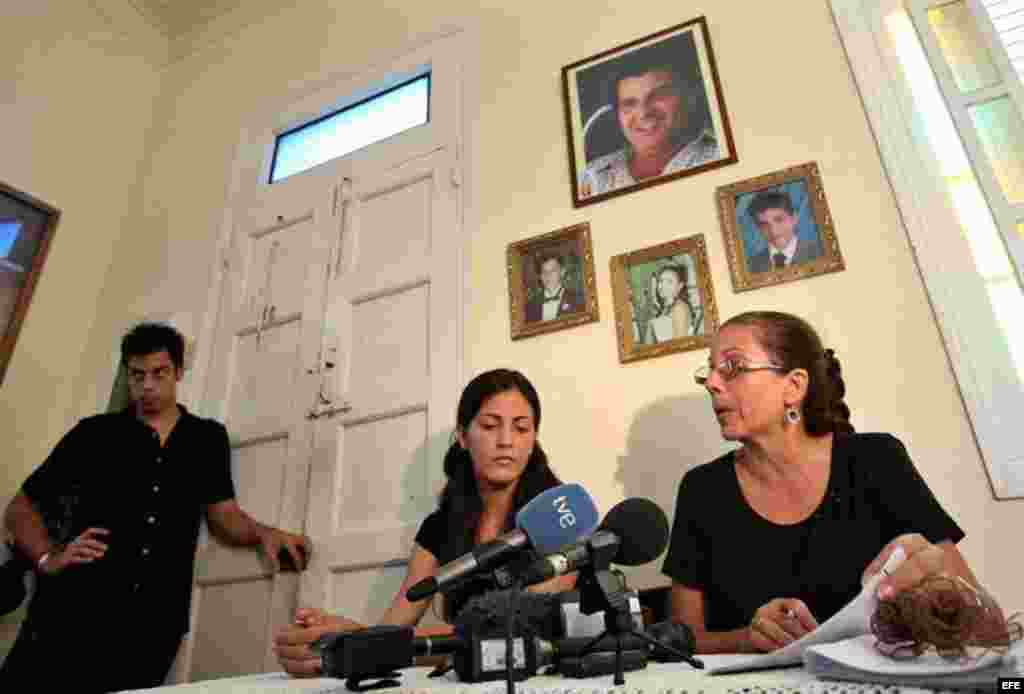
342	285
378	447
263	378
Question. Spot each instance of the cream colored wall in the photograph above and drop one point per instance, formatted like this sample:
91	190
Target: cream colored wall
76	100
621	430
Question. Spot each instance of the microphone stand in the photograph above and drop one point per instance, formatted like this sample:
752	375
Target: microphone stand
603	588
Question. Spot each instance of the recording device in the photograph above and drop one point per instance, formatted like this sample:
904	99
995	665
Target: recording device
638	521
479	645
574	623
552	519
378	652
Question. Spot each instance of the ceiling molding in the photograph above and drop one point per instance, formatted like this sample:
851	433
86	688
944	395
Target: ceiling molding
175	18
125	21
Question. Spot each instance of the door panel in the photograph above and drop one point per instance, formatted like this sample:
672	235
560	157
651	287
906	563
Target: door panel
263	379
376	462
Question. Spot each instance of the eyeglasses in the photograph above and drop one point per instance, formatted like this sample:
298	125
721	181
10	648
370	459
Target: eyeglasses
729	369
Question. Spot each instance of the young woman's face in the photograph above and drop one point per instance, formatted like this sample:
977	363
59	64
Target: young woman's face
500	439
668	286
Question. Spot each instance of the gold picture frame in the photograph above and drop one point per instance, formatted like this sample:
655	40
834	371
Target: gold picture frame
664	299
538	303
789	207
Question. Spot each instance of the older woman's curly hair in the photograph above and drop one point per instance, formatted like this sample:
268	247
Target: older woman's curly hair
945	613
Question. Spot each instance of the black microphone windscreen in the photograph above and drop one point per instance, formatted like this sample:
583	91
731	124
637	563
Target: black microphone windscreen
540	613
641	526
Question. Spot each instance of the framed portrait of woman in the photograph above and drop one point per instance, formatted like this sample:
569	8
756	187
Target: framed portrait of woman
664	300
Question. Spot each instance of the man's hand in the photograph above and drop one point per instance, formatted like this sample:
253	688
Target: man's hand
84	549
298	547
292	642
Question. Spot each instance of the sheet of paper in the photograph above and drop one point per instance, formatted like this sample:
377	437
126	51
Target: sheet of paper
860	653
853	620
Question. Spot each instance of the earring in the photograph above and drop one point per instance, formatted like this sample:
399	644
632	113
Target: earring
792	415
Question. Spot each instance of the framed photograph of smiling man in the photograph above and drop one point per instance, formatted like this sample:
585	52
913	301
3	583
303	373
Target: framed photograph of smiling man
645	113
551	282
778	228
664	301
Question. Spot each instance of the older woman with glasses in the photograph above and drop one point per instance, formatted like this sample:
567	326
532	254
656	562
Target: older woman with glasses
775	537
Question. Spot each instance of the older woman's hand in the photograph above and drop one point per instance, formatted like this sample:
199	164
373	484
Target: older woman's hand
922	559
778	623
292	642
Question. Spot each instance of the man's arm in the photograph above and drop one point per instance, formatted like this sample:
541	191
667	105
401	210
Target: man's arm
229	522
26	527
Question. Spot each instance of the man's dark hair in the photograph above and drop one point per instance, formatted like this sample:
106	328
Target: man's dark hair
769	200
149	338
678	57
545	256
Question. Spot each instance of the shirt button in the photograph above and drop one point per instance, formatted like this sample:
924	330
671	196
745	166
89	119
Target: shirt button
151	519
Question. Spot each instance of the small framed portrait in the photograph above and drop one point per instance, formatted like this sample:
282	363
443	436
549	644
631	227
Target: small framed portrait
644	113
664	301
778	228
27	226
551	282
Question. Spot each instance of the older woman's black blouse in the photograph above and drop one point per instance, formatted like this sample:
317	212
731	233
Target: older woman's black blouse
740	560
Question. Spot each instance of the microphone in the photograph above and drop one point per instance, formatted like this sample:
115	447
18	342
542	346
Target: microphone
550	520
634	532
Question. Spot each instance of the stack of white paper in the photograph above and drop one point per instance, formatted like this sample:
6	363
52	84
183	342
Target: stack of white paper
858	660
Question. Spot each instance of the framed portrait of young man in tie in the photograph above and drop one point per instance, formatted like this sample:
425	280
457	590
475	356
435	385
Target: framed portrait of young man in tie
778	228
551	282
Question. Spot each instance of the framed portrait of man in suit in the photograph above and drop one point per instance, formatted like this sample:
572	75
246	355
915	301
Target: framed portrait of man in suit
664	300
778	228
551	282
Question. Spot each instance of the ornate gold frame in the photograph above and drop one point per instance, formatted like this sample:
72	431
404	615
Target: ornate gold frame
830	258
696	248
573	240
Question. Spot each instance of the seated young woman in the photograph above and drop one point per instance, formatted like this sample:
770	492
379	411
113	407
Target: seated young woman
494	467
773	538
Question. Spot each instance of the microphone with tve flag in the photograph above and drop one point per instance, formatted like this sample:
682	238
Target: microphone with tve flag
557	517
634	532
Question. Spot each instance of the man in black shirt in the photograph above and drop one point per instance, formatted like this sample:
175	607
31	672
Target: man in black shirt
111	520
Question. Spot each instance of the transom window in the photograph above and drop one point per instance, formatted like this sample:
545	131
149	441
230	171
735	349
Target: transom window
371	120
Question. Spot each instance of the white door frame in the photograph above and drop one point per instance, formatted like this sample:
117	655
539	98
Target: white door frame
450	51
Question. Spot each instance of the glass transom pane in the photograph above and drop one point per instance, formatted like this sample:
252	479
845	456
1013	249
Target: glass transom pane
354	127
1002	136
963	47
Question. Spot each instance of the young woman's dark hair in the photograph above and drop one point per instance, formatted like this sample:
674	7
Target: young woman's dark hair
460	501
793	344
148	338
684	296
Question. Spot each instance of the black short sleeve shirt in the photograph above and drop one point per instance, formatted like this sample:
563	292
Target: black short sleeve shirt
110	471
434	535
740	560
